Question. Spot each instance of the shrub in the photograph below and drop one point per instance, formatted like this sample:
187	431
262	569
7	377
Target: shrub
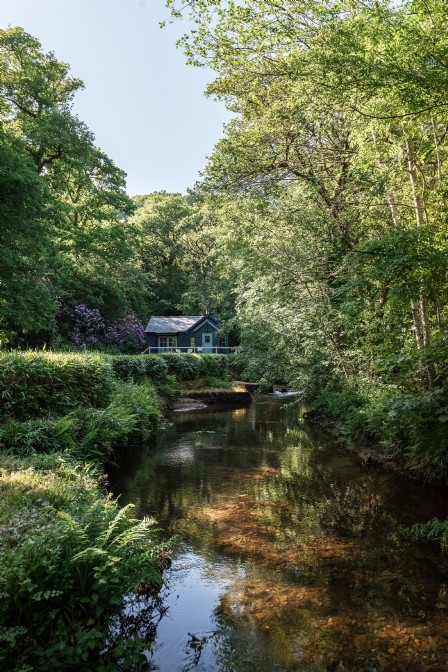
34	383
187	366
68	558
214	366
86	325
99	430
415	423
126	334
156	367
236	365
43	435
217	383
142	402
433	530
87	432
129	367
167	389
183	366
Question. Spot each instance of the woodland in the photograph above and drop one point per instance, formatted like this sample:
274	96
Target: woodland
318	233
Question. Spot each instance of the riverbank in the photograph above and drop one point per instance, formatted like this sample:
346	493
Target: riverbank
292	555
69	554
372	452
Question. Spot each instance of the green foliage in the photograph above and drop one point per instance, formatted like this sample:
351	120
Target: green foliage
186	366
156	367
139	367
415	424
64	202
166	388
435	530
211	381
42	435
346	408
127	367
68	557
183	366
36	383
215	366
329	200
142	402
29	219
161	220
89	433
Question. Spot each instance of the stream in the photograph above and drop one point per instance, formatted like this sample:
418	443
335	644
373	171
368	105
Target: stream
291	552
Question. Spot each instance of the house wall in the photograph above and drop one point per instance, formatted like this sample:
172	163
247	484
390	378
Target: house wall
184	340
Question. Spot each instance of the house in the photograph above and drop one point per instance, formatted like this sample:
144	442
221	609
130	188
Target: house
188	333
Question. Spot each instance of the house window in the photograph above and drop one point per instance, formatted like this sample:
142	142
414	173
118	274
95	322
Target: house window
192	342
223	341
167	342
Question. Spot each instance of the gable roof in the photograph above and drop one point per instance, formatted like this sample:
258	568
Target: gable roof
174	325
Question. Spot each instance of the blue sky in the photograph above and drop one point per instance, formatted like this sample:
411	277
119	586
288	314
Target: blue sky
144	104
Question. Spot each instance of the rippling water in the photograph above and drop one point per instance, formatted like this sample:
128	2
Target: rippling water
292	555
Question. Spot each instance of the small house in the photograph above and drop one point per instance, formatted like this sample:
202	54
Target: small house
192	333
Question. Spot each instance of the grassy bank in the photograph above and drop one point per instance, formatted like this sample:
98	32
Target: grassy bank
68	554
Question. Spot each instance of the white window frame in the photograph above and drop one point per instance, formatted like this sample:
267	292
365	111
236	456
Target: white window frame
169	343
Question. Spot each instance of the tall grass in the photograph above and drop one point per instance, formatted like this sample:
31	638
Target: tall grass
88	433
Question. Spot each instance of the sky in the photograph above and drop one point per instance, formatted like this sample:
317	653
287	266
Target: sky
144	104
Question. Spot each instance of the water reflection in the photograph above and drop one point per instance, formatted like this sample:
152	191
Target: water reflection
292	556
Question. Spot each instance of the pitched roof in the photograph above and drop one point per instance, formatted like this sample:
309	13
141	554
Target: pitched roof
172	325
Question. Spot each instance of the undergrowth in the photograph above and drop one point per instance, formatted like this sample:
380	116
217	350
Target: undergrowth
68	556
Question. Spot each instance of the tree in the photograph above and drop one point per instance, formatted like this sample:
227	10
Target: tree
91	238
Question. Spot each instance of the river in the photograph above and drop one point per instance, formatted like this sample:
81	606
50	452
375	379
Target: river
291	552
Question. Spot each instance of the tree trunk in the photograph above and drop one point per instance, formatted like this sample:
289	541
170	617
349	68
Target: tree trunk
420	313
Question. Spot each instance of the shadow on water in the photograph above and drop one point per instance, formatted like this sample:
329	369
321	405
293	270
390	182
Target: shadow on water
292	554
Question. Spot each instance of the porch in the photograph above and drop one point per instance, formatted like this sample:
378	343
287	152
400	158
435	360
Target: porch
203	350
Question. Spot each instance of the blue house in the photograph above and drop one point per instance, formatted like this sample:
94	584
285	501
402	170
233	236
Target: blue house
192	333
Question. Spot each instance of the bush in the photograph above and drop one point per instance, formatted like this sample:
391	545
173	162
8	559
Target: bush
142	402
183	366
214	366
87	432
156	367
217	383
43	435
346	407
415	424
35	383
68	558
433	530
129	367
167	389
186	366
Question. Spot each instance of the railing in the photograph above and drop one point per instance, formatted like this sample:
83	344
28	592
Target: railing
206	350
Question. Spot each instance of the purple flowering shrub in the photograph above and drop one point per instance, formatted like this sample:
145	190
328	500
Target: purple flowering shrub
126	334
86	325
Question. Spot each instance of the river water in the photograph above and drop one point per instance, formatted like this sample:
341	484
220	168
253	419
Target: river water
291	553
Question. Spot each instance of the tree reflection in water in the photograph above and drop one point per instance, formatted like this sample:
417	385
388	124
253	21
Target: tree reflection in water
309	568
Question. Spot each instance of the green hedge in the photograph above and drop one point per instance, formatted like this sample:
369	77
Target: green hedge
36	383
138	367
215	366
156	367
192	366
